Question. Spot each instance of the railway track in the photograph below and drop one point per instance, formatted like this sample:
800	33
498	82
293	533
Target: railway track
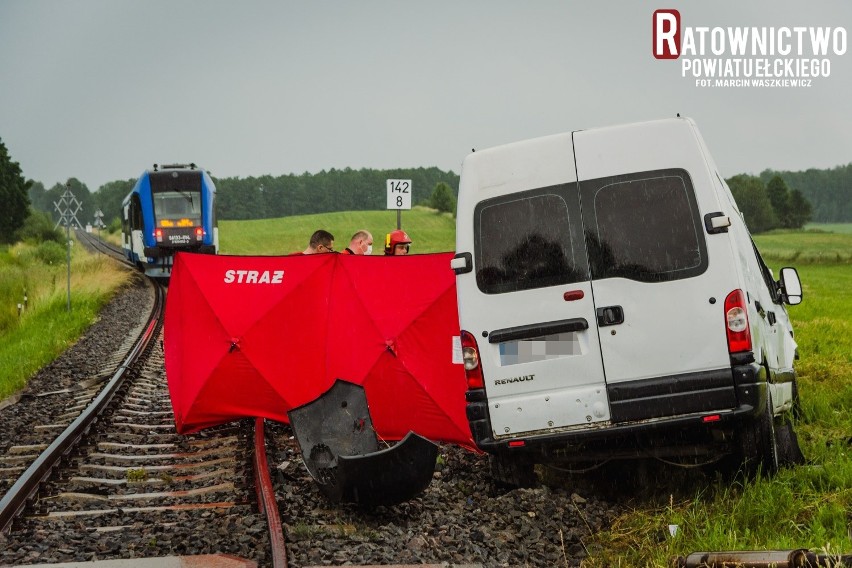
104	475
133	474
97	244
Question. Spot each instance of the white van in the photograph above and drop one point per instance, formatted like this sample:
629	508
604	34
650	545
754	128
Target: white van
613	305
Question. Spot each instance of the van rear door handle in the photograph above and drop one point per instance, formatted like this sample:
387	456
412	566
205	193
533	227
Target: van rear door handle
610	315
538	330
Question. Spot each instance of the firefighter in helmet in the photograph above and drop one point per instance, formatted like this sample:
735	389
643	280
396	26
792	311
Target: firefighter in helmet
397	242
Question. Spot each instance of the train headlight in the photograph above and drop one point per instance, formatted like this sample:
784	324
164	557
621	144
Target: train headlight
199	233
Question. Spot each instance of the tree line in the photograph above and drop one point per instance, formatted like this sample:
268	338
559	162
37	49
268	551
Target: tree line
271	197
769	206
333	190
771	200
765	206
829	191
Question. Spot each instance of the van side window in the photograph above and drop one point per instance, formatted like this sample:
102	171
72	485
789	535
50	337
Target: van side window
643	226
528	240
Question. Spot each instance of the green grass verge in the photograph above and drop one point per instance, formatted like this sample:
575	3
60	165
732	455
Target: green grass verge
46	328
45	335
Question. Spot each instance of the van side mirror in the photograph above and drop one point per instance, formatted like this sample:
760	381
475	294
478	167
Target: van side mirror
791	286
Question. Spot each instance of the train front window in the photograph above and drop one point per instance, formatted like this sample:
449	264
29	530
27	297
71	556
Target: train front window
177	198
178	208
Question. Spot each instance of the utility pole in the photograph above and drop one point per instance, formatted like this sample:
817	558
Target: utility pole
68	206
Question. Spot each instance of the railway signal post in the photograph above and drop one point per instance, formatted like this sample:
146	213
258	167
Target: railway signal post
68	207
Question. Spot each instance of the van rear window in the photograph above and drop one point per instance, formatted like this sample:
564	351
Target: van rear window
643	226
528	240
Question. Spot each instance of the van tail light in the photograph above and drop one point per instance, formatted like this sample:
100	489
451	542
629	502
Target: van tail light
736	320
199	232
158	234
470	357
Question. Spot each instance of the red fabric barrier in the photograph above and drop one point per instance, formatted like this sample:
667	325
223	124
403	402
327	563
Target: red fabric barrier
257	336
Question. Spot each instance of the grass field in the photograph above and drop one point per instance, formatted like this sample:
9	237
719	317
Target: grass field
429	230
807	247
435	232
830	227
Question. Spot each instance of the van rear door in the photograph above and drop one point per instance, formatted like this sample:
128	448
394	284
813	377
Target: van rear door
528	300
659	283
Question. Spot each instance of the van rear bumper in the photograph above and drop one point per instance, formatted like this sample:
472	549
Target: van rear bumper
697	401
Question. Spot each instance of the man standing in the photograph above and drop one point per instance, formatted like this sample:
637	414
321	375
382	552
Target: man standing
321	242
361	243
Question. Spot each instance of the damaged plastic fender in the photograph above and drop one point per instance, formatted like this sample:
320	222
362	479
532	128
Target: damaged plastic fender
341	451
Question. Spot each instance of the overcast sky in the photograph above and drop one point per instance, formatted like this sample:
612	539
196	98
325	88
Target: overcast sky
101	89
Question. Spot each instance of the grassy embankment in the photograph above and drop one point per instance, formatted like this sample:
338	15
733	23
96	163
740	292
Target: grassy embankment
45	328
429	231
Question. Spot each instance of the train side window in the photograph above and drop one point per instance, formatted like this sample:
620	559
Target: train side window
136	213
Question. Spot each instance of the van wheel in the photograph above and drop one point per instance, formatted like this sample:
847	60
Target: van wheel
758	443
512	471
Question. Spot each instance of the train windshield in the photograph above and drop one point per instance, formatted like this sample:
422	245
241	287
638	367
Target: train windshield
177	199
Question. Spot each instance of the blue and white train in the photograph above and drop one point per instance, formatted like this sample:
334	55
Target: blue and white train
171	209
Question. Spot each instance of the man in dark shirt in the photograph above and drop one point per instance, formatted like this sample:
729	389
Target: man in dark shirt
321	242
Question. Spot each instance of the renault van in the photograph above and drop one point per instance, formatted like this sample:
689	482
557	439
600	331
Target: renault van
613	305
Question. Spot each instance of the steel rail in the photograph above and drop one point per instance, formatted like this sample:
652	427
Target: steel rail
15	499
266	497
102	246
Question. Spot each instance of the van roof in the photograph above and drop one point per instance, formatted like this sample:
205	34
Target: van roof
542	160
544	140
